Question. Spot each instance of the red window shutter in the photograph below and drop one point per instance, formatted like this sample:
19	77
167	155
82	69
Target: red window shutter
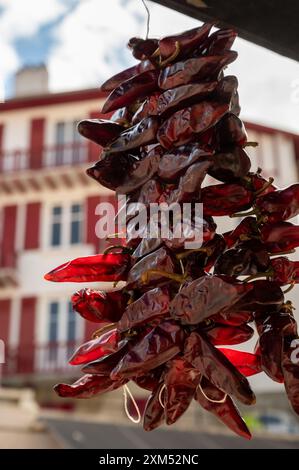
1	145
5	306
26	340
7	253
32	227
37	142
91	219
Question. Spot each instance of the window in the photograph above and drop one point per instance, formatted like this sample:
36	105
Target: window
76	224
70	145
66	225
53	330
56	226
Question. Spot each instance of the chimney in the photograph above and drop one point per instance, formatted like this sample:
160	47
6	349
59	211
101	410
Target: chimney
31	80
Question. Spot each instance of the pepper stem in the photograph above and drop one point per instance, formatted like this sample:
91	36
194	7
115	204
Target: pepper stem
263	188
244	214
283	253
116	247
173	56
181	278
259	275
250	144
186	253
291	286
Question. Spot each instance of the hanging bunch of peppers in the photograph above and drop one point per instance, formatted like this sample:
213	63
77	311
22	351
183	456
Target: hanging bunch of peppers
175	121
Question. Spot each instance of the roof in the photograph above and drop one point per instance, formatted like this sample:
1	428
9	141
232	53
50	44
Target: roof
270	24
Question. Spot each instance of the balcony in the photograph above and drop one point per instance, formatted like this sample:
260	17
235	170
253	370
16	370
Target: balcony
39	361
58	166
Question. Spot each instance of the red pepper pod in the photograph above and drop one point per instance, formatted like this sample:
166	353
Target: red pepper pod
106	364
279	205
186	42
185	124
176	98
246	363
214	401
191	230
190	183
100	131
280	236
290	368
148	108
233	318
99	306
161	344
154	414
244	231
206	296
285	271
180	381
133	89
212	363
150	306
96	268
119	78
142	49
220	334
88	386
157	260
225	199
194	70
112	170
151	379
143	133
265	296
96	348
220	41
230	131
230	165
173	163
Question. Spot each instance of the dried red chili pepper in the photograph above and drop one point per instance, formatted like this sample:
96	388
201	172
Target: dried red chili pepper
148	108
154	414
137	87
126	74
141	134
212	363
151	379
96	348
88	386
212	399
142	48
183	125
225	199
246	363
190	183
194	70
161	344
103	268
280	236
100	306
245	230
279	205
290	370
230	165
100	131
180	381
219	334
220	41
150	306
111	171
230	131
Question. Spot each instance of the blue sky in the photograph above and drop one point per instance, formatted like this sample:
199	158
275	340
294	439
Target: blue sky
84	41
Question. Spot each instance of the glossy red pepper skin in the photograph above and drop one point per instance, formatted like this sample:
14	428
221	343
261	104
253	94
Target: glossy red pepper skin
152	305
211	363
99	306
230	131
220	41
159	259
226	411
142	49
207	226
284	271
88	386
225	199
185	124
112	170
233	318
246	363
185	95
193	70
148	108
174	162
206	296
141	171
189	185
96	268
187	42
154	414
265	296
137	87
180	381
256	183
245	258
160	345
245	230
280	236
219	334
142	133
100	131
106	364
151	379
126	74
96	348
230	165
279	205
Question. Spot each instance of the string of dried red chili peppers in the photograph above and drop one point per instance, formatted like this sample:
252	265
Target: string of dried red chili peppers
176	120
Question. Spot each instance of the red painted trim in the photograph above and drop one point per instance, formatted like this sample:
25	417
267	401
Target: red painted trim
26	339
268	130
5	306
91	219
37	130
51	99
7	252
32	226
